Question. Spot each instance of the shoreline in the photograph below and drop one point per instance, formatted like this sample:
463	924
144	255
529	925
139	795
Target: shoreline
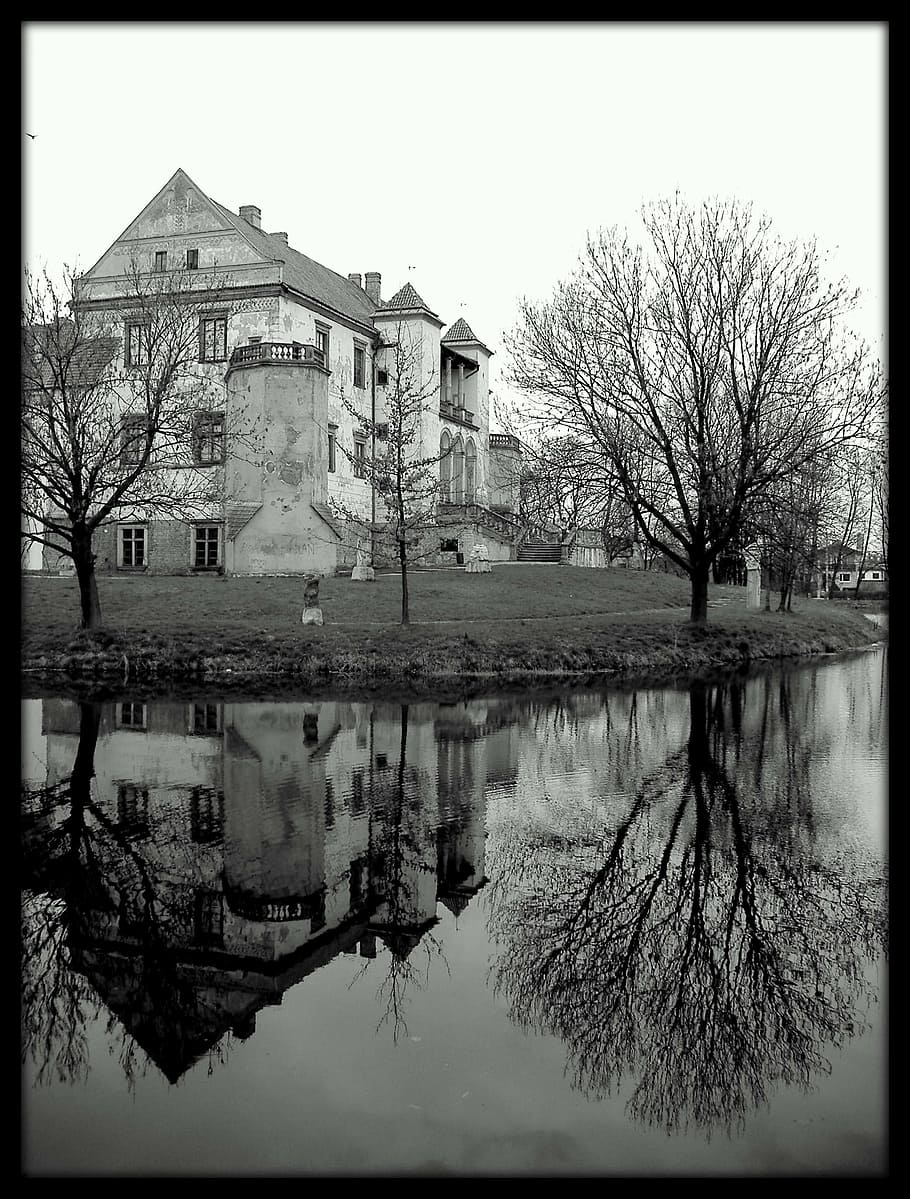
427	659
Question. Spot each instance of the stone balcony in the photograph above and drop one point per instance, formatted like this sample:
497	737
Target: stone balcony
278	351
457	413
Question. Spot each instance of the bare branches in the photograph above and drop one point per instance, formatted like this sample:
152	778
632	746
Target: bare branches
702	371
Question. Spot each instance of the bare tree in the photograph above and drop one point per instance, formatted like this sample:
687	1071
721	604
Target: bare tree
405	479
110	428
703	371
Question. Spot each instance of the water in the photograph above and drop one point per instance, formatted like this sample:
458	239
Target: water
625	932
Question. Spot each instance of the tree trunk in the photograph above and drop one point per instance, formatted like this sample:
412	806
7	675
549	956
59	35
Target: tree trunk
84	561
699	610
403	559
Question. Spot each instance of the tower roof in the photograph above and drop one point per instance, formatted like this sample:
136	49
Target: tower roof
406	297
460	331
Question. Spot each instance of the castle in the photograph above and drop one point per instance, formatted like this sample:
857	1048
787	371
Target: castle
297	348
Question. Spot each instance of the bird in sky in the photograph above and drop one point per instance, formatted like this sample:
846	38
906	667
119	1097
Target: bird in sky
31	135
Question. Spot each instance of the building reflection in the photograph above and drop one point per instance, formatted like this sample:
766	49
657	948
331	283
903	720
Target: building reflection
211	855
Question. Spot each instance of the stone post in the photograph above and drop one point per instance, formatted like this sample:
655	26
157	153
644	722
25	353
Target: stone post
312	613
362	572
753	576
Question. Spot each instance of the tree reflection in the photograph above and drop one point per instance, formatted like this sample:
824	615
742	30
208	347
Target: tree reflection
709	945
404	877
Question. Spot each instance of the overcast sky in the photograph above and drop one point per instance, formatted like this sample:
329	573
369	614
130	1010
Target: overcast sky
478	155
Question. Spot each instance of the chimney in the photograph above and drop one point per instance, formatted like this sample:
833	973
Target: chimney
372	285
252	215
355	279
283	236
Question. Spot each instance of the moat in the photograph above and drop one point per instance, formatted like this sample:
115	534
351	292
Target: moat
617	931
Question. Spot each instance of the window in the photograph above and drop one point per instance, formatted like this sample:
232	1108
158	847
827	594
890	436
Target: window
161	260
209	920
844	576
131	716
136	339
359	367
358	805
382	761
205	718
333	436
382	431
132	439
132	545
876	574
382	378
213	339
133	810
206	815
208	438
207	540
322	342
192	260
360	456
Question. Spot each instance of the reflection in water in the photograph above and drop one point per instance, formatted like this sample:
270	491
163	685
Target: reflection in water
677	891
705	937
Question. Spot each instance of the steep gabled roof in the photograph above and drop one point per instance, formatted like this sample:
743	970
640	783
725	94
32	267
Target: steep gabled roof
460	331
306	275
406	298
51	350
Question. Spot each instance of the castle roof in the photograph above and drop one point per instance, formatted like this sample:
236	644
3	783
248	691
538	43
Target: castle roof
304	274
407	297
460	331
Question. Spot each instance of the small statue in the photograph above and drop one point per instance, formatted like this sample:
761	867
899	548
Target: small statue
312	613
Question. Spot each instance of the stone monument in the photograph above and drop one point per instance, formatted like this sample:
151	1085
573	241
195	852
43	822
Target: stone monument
479	562
362	572
312	613
753	575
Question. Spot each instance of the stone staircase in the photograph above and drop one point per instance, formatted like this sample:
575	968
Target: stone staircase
539	551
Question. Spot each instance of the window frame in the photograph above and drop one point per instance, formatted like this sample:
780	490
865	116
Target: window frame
132	527
362	351
160	262
141	724
333	448
142	357
198	527
132	445
213	318
359	459
192	259
324	332
208	430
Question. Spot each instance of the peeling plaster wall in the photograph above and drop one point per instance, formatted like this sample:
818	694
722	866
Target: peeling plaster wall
284	405
297	323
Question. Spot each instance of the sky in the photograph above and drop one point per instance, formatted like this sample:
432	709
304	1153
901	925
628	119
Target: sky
471	160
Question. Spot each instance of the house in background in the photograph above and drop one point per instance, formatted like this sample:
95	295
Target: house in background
292	345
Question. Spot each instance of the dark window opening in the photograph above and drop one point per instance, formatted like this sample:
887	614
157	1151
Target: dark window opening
359	367
209	918
207	544
208	438
161	260
213	339
333	436
206	815
192	260
360	458
382	378
133	810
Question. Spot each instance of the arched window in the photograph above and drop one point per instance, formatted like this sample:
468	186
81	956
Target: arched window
470	470
458	471
445	467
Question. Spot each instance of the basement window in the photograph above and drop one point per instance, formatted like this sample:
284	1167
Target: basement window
131	547
207	542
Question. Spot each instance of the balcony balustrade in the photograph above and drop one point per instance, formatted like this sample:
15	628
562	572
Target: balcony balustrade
277	351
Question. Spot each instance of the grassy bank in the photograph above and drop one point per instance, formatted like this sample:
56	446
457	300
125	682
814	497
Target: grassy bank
518	623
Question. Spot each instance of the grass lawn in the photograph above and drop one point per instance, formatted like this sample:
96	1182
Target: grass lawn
230	605
518	620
